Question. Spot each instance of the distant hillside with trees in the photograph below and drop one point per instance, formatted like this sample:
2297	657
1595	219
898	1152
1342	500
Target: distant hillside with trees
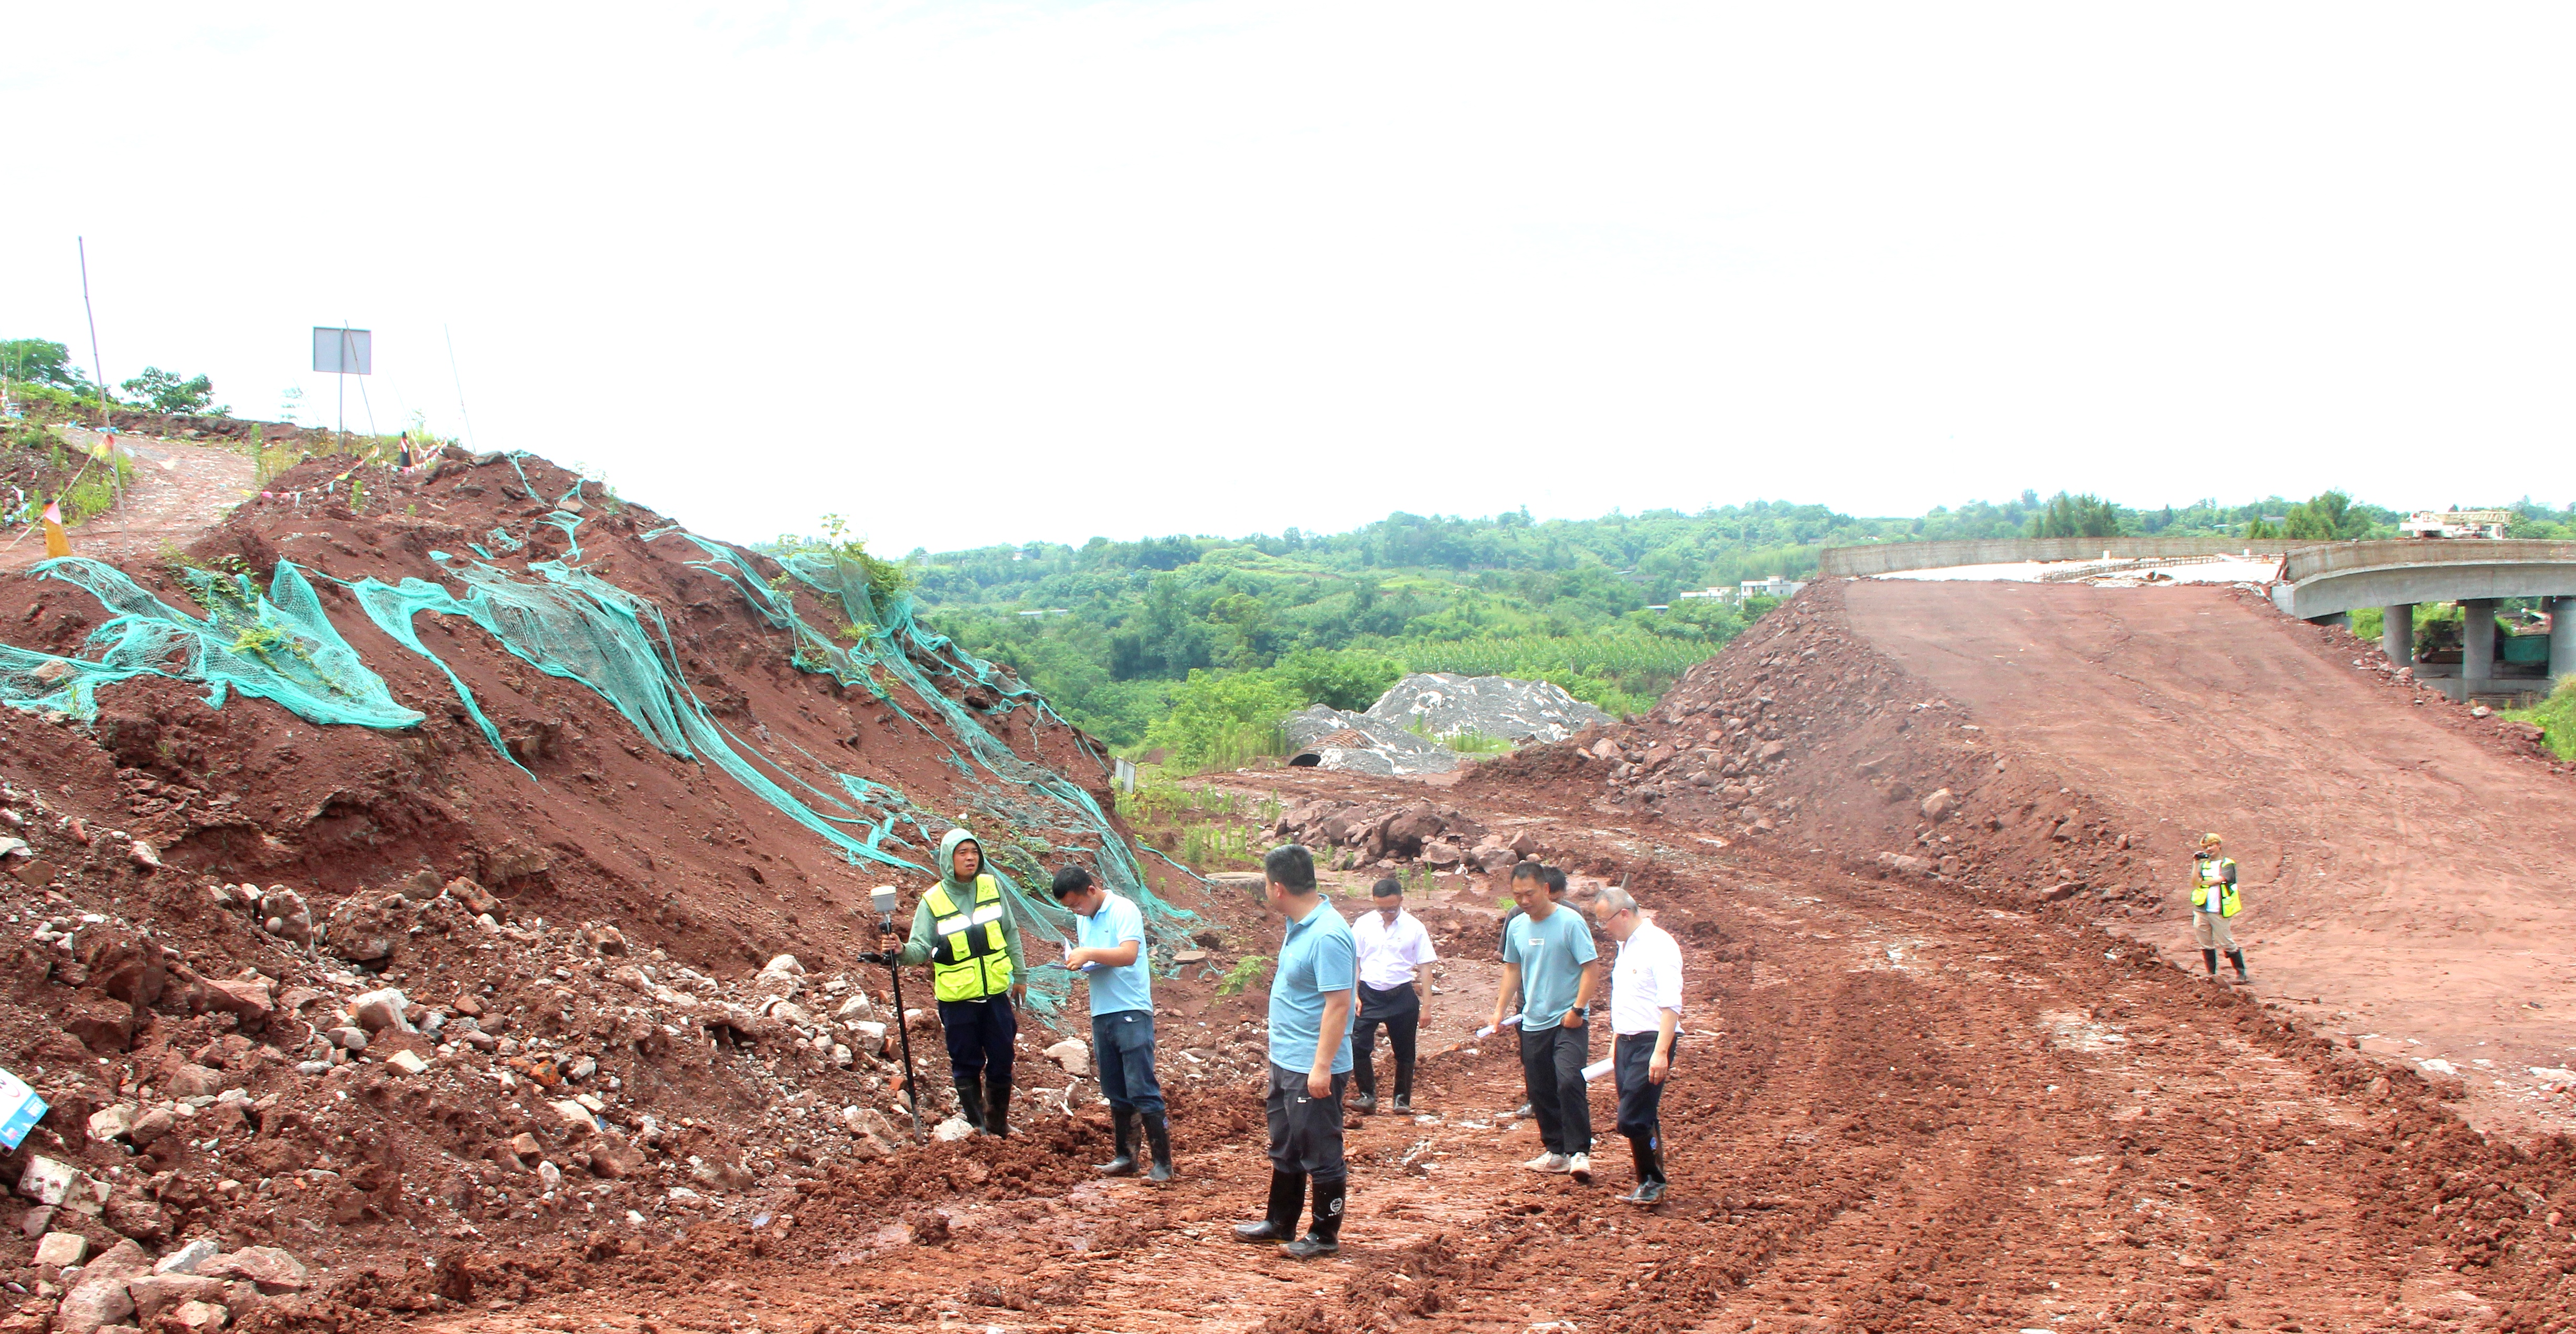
1190	643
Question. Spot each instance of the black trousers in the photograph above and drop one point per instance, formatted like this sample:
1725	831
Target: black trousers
1641	1103
1552	1061
979	1036
1402	1016
1305	1131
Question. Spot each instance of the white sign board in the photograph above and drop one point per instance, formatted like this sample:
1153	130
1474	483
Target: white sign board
20	1109
344	351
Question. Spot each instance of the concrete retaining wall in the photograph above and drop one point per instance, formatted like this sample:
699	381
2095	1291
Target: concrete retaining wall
1889	557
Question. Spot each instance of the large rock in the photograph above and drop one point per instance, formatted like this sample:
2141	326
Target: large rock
272	1269
249	998
1073	1055
1940	805
101	1022
196	1081
61	1249
92	1305
47	1180
383	1008
156	1293
284	913
365	930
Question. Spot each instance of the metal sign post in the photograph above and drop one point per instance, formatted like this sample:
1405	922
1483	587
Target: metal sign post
344	352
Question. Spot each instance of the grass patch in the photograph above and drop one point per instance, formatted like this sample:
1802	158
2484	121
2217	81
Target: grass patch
2555	716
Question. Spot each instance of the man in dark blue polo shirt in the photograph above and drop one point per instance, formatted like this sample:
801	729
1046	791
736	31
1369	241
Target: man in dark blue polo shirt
1311	999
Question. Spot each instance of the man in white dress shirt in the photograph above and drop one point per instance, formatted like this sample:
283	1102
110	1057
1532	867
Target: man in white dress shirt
1645	1016
1393	947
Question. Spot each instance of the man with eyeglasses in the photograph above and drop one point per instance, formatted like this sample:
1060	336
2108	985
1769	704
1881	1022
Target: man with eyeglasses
1109	955
1645	1017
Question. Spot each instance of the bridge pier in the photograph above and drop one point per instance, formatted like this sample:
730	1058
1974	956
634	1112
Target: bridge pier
2477	639
2562	636
2397	633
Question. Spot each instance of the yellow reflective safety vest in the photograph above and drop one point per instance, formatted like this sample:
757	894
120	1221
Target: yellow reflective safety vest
969	960
2214	876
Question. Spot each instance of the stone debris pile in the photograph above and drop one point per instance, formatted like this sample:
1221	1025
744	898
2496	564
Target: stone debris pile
1406	731
1445	704
1389	836
1328	738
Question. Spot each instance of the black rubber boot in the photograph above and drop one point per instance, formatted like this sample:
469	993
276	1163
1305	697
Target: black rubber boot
970	1102
1404	1086
1124	1165
2237	957
2210	957
1650	1174
1158	1138
1279	1223
997	1103
1364	1079
1325	1237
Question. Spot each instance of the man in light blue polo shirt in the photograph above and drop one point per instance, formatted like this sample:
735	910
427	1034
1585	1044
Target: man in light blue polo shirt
1311	1002
1109	955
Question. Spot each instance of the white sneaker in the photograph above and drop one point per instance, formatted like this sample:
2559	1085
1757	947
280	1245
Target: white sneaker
1548	1162
1581	1166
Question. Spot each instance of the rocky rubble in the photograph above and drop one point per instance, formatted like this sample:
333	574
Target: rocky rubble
1446	704
1392	835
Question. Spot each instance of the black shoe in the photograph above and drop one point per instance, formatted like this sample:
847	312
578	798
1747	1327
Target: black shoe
970	1102
1650	1173
1325	1237
1526	1112
1158	1137
2237	957
1124	1165
2210	957
1403	1105
1404	1086
1364	1104
997	1104
1287	1193
1647	1193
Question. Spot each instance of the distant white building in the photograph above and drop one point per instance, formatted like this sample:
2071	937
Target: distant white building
1773	587
1721	594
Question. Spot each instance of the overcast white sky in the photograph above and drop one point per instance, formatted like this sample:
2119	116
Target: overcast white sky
970	273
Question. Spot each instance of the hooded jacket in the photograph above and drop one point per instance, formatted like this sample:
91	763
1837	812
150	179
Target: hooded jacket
918	949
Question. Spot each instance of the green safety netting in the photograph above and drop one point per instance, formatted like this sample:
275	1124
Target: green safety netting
568	622
571	623
278	645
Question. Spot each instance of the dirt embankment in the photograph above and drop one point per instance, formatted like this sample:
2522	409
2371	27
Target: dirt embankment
601	1043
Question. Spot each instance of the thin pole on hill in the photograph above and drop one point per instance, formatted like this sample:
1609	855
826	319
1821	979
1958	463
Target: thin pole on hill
96	367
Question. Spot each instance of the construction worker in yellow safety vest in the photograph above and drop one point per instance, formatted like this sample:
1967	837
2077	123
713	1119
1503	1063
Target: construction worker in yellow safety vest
968	935
2213	901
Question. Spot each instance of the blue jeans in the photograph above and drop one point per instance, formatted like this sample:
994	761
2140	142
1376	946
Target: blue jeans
1122	1050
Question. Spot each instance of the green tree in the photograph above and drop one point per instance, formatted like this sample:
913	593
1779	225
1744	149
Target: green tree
2076	516
164	391
1217	720
2328	517
1346	679
2260	528
40	361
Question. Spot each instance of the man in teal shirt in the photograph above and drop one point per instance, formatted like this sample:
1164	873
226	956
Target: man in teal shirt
1109	955
1311	1001
1549	962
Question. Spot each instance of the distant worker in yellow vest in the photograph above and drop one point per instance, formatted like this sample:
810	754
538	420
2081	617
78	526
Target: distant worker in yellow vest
2213	901
969	937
